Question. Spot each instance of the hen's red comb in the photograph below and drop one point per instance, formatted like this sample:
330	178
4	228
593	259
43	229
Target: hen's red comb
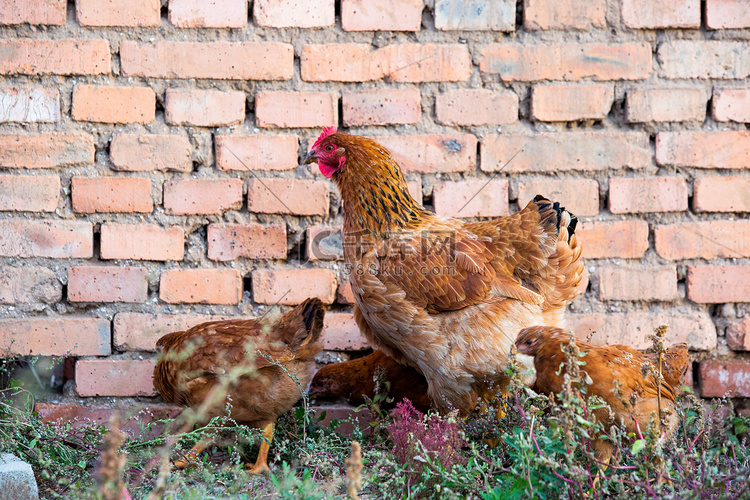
326	132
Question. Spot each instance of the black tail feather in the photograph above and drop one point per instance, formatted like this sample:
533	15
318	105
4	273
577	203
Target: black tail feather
544	203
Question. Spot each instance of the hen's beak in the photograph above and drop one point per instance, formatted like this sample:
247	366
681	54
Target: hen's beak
311	157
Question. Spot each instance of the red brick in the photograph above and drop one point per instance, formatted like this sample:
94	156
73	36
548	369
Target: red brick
217	60
471	198
46	150
562	103
252	241
718	284
341	333
632	328
293	286
29	285
118	12
142	242
382	107
731	105
569	61
738	335
111	194
666	105
201	286
140	331
580	196
703	59
257	152
25	56
97	103
381	15
647	194
626	239
115	377
637	283
720	149
476	107
69	336
360	63
214	14
107	284
29	105
55	239
324	243
724	377
565	151
149	152
564	14
202	196
727	14
293	13
287	196
415	190
432	153
703	240
204	108
32	193
652	14
149	422
475	15
33	11
344	294
296	109
721	194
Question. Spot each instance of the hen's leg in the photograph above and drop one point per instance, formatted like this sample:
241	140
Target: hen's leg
191	457
261	463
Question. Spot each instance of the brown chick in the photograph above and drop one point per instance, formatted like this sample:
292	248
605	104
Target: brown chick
604	364
248	364
355	379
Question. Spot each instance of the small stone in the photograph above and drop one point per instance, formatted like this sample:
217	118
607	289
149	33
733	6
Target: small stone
16	479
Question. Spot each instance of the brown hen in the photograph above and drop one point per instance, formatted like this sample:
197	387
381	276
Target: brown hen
247	364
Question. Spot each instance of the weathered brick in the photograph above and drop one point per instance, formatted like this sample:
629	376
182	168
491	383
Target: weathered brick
140	331
252	241
218	60
579	196
382	107
114	377
647	194
149	152
107	284
569	61
381	15
214	14
341	333
26	56
731	105
147	421
29	285
204	108
344	294
360	63
202	196
293	286
287	196
257	152
565	151
32	193
432	153
703	59
724	377
293	13
738	335
55	239
703	240
69	336
727	14
637	283
475	15
626	239
561	103
721	194
111	194
324	243
296	109
652	14
476	107
29	105
99	103
720	149
471	198
645	105
142	242
46	150
118	12
415	190
718	284
33	11
201	286
564	14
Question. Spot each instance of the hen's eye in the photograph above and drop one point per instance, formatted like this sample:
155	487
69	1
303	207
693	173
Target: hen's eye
329	148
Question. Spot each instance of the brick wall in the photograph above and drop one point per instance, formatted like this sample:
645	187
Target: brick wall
150	178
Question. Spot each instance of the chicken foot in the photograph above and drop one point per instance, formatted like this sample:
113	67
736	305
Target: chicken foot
191	457
261	463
